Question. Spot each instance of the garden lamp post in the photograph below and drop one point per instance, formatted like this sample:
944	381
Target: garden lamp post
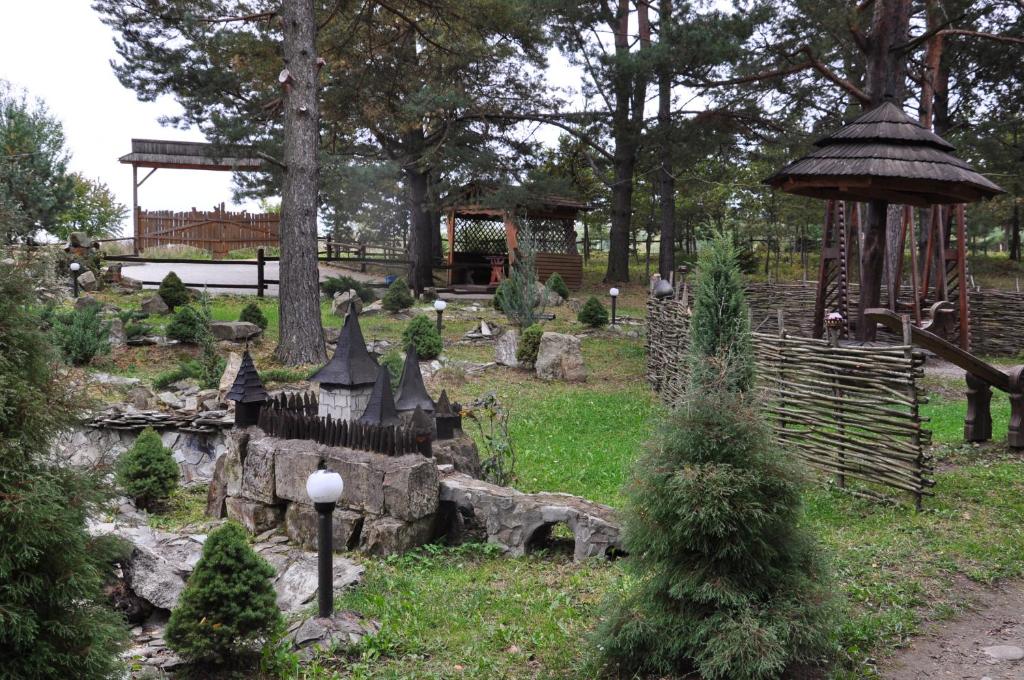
439	307
74	267
614	293
324	488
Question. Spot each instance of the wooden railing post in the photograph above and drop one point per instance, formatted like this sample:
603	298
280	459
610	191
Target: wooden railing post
362	255
329	247
1015	433
260	262
978	421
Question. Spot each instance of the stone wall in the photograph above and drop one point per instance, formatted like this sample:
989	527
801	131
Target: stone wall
344	404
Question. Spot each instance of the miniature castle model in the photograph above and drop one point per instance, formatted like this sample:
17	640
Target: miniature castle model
412	393
248	393
347	380
381	408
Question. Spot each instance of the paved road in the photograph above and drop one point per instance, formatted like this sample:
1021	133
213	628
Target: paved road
200	274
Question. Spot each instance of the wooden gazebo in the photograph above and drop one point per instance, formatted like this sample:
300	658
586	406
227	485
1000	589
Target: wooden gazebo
483	239
886	157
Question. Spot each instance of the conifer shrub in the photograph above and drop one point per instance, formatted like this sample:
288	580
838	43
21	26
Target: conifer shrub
55	621
81	334
228	608
189	324
557	284
253	314
725	583
529	345
147	472
501	294
393	362
173	291
422	334
340	284
397	297
593	313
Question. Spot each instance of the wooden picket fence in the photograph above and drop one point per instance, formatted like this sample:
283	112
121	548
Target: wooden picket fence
851	412
293	421
218	231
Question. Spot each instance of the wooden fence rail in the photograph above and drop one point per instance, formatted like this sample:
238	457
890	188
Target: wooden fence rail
218	231
849	411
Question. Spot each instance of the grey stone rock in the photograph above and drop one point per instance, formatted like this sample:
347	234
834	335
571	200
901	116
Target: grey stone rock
296	582
560	358
410	487
169	399
234	331
390	536
155	305
254	516
217	494
505	348
115	380
154	578
227	379
116	336
87	280
344	629
461	453
142	398
301	525
86	301
375	307
258	471
345	299
1004	652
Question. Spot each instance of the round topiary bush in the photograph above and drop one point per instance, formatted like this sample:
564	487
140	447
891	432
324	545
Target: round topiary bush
173	291
147	472
398	296
593	313
529	345
253	314
188	325
229	607
422	334
557	284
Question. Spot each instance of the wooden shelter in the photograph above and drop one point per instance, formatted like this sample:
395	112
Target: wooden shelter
886	157
482	239
218	231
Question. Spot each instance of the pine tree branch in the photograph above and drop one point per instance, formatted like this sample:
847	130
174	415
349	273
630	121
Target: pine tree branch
740	80
1011	39
831	75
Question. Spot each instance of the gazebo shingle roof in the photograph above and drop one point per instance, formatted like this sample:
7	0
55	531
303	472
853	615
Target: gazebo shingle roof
247	388
884	154
351	364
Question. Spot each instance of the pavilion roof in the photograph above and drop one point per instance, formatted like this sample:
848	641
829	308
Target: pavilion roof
247	388
163	153
884	154
351	364
411	390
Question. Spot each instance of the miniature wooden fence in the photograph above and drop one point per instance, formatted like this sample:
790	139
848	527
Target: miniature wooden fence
390	440
218	231
848	411
304	403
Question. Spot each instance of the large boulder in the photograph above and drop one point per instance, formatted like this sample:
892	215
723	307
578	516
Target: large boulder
85	301
234	331
460	452
301	523
560	358
116	336
391	536
155	305
87	280
227	379
343	300
505	348
410	486
256	517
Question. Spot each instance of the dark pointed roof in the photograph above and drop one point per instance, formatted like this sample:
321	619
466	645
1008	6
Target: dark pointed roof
421	421
886	155
411	390
351	364
247	388
380	410
444	407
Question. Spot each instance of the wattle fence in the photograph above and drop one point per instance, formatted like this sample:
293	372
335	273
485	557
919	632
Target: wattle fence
848	411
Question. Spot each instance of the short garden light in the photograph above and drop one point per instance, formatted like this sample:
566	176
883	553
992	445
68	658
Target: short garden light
439	307
614	293
74	267
324	488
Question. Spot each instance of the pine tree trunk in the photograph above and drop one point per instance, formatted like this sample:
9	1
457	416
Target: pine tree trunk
666	182
421	271
301	339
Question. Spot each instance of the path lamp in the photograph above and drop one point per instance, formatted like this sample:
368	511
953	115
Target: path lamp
324	488
74	267
614	293
439	307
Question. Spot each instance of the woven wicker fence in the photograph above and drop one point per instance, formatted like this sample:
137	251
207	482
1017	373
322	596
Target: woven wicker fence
850	412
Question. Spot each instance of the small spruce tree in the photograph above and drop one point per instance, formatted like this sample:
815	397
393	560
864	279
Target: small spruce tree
189	324
557	284
422	333
529	344
81	334
726	582
397	296
147	471
173	291
228	608
253	314
593	313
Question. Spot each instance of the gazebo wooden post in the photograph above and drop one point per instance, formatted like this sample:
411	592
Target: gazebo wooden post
135	209
451	246
961	265
915	293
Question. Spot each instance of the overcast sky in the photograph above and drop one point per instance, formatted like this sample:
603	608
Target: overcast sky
60	52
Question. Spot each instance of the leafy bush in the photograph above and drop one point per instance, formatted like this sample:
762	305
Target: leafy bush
339	284
593	313
529	344
557	284
725	582
398	296
55	621
394	363
188	325
147	471
422	333
81	334
228	607
253	314
173	291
